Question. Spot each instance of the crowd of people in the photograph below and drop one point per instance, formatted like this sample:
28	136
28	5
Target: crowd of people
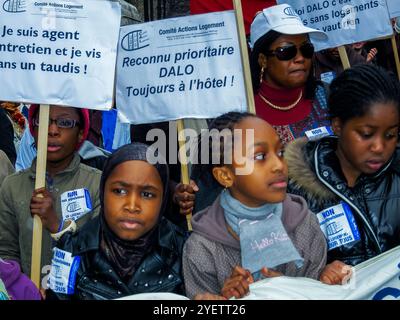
133	236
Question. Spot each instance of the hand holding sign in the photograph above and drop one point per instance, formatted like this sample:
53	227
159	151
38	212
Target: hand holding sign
44	208
237	285
336	272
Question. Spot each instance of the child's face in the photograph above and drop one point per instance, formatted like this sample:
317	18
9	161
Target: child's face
366	143
61	142
267	182
132	199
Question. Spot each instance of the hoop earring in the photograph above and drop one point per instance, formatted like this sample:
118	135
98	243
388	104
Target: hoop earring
262	74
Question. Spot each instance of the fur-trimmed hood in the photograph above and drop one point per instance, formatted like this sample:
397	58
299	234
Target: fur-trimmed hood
299	155
315	174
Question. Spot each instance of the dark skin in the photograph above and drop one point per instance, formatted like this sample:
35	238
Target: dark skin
42	204
62	144
367	143
286	74
237	285
184	196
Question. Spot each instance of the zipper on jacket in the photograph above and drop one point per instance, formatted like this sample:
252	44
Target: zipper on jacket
347	200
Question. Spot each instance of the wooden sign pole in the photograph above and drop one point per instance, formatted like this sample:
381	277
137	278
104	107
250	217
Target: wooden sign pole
343	57
40	182
185	179
249	97
245	56
396	54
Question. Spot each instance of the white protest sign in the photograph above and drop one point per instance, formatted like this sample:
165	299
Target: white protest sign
394	8
59	52
344	21
374	279
187	67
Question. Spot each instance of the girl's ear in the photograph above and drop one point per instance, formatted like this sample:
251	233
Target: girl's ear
224	176
262	60
337	126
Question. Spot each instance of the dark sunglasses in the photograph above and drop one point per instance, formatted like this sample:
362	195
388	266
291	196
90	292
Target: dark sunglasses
289	52
61	123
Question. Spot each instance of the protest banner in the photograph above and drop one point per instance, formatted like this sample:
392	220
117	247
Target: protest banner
187	67
61	53
394	8
344	21
374	279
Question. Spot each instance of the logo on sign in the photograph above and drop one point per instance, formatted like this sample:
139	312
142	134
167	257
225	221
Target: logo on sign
333	228
73	206
135	40
289	11
387	292
14	6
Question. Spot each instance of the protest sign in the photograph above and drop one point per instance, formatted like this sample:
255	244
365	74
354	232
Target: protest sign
344	21
59	52
187	67
374	279
394	8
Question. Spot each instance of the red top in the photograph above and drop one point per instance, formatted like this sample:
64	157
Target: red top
282	98
250	8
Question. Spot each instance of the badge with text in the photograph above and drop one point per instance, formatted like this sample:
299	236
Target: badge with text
63	271
318	133
75	204
338	225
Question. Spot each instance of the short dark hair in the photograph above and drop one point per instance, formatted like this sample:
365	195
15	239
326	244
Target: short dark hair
353	92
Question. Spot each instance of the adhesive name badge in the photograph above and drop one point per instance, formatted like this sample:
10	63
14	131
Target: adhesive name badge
328	77
318	133
63	271
338	225
75	204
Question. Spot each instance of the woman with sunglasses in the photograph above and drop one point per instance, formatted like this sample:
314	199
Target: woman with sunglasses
286	92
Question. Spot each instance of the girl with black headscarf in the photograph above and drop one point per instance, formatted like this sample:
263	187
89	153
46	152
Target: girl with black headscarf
130	247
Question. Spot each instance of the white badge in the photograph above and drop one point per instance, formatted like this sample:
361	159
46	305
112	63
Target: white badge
75	204
328	77
318	133
338	225
63	271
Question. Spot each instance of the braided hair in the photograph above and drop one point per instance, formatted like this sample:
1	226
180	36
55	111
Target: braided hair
355	90
225	122
263	45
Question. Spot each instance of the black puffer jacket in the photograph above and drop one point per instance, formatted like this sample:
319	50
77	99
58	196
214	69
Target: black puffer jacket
160	270
316	175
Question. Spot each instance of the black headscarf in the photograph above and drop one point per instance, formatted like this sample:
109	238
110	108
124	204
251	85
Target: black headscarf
126	256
